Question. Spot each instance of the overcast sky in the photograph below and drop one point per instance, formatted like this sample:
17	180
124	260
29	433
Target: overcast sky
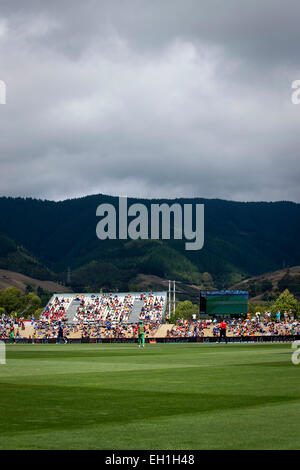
150	98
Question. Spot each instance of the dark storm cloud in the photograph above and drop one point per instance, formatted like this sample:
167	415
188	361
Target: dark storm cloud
153	98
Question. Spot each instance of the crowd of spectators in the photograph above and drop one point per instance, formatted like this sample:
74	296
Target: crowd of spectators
153	308
189	328
5	325
255	326
120	331
53	315
106	316
56	310
100	316
103	309
11	328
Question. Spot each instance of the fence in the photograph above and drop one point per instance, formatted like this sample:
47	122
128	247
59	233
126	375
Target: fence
203	340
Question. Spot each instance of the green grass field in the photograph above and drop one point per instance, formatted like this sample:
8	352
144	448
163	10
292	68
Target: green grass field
169	396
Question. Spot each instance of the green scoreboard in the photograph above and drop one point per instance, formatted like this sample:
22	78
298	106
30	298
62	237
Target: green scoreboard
224	302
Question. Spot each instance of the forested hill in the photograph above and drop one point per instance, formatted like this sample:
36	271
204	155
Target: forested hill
241	239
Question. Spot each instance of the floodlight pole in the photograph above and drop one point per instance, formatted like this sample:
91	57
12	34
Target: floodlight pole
174	300
169	299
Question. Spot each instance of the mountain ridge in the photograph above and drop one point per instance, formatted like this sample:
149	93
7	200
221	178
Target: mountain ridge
242	239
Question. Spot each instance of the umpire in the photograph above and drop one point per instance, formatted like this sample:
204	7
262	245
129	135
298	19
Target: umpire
223	327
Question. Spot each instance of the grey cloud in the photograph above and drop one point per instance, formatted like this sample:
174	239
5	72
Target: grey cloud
150	99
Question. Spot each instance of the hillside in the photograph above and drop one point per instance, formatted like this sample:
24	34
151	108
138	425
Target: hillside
15	257
267	286
42	238
20	281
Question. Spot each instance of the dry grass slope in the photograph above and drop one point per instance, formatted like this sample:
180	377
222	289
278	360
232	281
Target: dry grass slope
10	278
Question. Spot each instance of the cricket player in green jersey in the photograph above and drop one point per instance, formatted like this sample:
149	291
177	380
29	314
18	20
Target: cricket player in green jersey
141	334
12	335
